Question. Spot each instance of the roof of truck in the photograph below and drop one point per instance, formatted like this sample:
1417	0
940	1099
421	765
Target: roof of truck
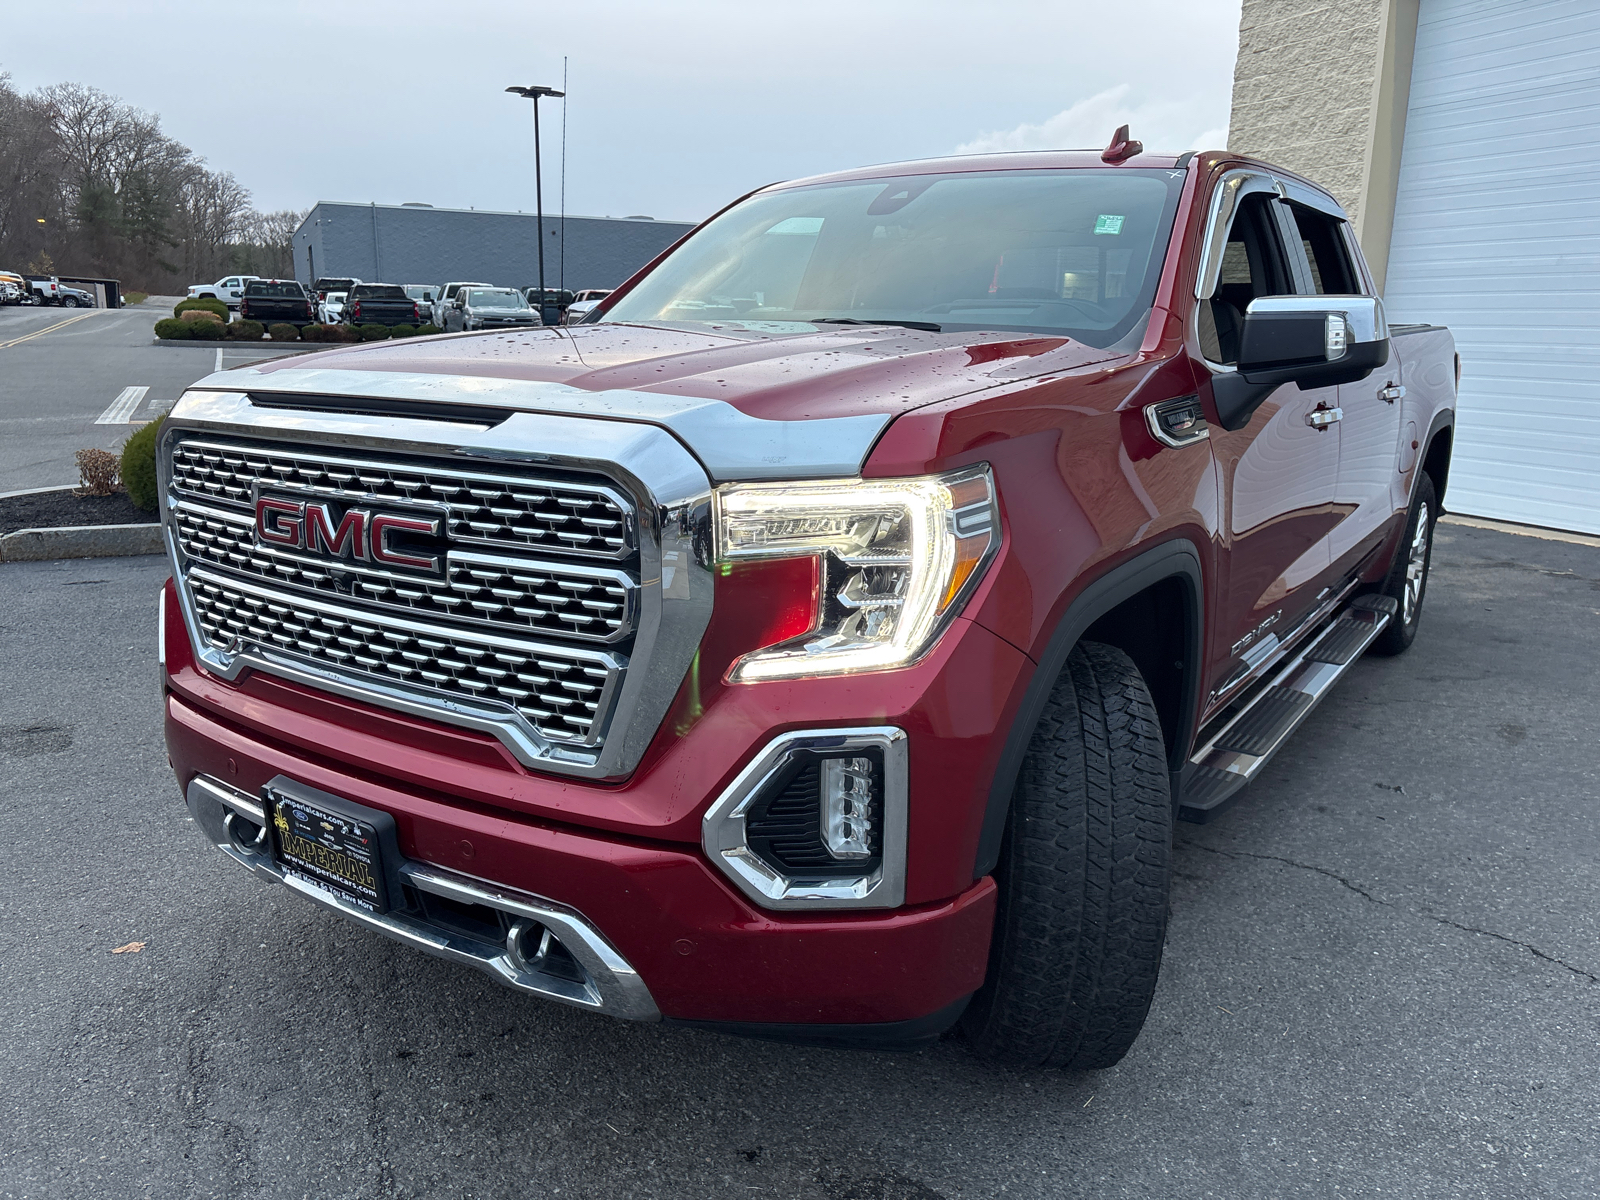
1020	160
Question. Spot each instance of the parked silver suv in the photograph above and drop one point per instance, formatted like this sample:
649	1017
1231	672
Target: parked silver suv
446	294
488	308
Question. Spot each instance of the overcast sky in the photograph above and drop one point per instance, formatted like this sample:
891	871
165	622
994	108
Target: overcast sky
676	107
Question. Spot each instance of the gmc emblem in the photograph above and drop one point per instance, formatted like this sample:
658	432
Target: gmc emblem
360	535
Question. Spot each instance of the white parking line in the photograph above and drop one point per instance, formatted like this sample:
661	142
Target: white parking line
123	407
218	367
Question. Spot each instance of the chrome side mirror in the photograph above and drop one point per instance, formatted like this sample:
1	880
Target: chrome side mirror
1313	341
1310	341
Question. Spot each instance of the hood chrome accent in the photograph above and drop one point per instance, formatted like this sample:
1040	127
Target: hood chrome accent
730	444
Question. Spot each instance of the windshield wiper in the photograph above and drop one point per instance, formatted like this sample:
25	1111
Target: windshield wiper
929	326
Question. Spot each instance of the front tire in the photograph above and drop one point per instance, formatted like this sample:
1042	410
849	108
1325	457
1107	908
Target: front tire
70	302
1407	583
1083	876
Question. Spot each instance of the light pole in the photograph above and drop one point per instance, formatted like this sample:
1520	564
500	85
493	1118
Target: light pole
549	313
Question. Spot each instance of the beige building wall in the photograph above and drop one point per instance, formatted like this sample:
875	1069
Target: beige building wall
1320	87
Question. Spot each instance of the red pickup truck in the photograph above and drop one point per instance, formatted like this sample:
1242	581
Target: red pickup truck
820	640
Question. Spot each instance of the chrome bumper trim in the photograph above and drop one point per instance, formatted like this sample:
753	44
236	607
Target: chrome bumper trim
611	986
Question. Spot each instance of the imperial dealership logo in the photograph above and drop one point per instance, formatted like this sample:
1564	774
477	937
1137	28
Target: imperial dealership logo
362	533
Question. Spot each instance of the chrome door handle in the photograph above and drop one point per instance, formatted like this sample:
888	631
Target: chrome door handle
1321	418
1391	393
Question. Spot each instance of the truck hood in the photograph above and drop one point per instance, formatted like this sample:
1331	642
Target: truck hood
749	401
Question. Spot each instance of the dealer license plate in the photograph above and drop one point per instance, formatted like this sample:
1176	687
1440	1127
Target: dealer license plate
334	851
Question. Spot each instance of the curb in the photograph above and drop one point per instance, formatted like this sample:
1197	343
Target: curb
80	541
1533	531
263	344
55	487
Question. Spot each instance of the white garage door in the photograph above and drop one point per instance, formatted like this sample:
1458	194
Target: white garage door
1497	234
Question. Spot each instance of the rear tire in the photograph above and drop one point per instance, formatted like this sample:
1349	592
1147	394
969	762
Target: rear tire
1083	876
1407	583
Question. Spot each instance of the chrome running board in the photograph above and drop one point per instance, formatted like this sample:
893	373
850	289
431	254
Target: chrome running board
1235	754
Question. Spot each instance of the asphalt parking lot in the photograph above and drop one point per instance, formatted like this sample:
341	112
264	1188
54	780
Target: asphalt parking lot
63	370
1381	975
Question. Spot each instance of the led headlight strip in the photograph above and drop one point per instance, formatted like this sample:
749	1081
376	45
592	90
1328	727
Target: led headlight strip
898	557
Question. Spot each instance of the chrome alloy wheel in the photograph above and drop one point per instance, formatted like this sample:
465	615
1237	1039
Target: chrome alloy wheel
1417	564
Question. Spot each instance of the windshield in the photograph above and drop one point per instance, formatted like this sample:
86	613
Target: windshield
1074	252
503	298
419	293
334	298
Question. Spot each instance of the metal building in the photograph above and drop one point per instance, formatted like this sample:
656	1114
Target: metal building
412	243
1460	136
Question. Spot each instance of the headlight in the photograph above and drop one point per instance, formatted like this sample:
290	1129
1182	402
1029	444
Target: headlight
897	560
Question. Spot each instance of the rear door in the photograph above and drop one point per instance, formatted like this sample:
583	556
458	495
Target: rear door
1278	474
1369	429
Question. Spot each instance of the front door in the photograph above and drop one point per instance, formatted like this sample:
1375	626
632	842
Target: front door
1279	474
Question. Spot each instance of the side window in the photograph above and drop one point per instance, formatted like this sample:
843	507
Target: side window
1331	271
1253	265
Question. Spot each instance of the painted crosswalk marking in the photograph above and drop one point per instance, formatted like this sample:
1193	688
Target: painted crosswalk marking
123	407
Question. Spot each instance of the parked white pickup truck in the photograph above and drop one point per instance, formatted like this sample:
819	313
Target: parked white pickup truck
230	289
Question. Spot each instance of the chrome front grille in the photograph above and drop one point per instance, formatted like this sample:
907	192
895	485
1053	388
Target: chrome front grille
494	508
534	612
562	691
589	603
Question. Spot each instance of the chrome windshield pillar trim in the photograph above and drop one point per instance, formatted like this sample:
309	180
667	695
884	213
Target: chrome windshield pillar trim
672	496
723	827
1233	187
731	444
611	985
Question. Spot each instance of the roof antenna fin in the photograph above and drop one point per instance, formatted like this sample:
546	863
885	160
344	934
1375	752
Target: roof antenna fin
1122	147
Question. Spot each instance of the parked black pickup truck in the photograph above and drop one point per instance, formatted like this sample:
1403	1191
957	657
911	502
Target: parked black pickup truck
380	304
274	301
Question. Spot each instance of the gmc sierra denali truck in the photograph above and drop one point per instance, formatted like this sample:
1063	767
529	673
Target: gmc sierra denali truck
820	640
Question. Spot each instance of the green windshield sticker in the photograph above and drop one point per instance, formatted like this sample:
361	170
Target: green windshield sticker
1105	223
798	225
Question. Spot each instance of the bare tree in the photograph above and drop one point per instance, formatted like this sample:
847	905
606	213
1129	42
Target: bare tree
121	198
268	243
30	166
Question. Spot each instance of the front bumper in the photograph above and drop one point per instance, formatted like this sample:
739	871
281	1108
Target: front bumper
699	950
602	982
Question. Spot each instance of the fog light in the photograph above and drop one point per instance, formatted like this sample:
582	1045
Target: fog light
847	807
816	820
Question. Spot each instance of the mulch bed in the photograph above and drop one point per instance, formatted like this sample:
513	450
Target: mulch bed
52	510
